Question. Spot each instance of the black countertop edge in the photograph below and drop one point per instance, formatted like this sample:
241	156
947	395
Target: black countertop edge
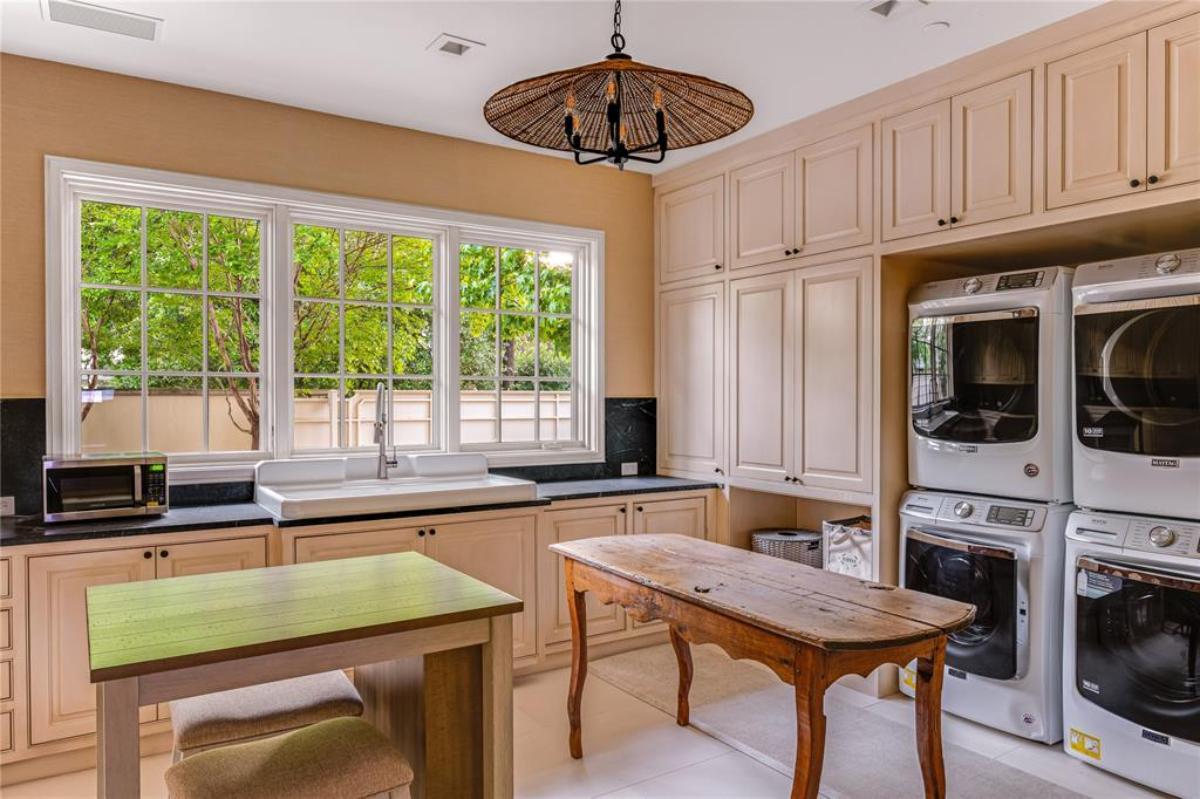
22	530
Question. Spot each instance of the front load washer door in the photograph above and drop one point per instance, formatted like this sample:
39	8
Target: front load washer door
975	376
980	574
1137	644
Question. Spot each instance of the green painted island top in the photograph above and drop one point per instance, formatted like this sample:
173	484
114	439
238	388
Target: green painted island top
147	627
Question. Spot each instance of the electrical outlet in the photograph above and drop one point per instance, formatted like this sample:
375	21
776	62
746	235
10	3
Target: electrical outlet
629	469
8	506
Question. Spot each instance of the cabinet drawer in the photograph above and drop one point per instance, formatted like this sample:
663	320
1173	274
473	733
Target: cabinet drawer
6	628
6	731
5	578
6	685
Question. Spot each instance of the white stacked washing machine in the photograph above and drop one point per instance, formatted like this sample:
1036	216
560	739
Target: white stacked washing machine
990	453
1131	637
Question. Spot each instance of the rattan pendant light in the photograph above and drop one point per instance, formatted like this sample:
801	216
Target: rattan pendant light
618	109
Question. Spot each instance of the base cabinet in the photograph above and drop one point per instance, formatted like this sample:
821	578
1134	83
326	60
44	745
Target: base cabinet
333	546
557	526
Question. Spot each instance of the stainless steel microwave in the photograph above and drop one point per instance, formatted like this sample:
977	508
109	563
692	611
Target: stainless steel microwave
103	486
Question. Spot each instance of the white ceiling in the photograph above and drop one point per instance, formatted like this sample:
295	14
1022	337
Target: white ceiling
368	59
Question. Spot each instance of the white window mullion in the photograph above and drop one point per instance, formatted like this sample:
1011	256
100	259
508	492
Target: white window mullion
276	352
448	318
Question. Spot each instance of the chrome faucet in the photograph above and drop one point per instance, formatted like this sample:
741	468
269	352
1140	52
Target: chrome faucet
381	417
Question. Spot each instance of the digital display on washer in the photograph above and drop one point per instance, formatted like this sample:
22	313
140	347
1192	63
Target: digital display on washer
1023	280
999	514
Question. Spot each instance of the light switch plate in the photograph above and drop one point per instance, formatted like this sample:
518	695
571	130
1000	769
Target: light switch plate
629	469
8	506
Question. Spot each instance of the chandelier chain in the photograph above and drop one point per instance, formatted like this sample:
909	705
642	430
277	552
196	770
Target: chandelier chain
618	41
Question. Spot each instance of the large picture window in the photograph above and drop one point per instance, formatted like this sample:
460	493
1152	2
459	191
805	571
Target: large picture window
224	322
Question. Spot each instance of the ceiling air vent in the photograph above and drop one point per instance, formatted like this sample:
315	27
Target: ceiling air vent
454	45
86	15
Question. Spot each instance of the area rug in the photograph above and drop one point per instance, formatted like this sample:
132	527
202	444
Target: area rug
867	756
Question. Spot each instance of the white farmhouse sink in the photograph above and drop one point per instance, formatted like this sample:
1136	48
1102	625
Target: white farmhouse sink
329	487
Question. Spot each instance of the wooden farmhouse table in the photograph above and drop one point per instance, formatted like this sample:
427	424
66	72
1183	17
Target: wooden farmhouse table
807	625
431	650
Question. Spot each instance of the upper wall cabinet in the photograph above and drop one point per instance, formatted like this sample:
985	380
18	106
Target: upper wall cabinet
1173	103
762	213
691	230
916	171
991	151
1096	123
836	197
691	379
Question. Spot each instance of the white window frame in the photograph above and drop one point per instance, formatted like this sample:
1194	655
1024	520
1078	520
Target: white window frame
70	181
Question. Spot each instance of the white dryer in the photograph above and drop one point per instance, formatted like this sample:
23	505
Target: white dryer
1004	557
1137	385
1131	648
988	377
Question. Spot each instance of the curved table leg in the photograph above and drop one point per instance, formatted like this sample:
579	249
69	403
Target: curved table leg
929	720
810	723
577	607
683	655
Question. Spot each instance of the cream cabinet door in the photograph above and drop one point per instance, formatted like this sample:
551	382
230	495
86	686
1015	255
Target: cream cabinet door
1096	123
681	516
333	546
691	379
691	230
916	171
761	336
991	162
208	557
62	699
556	526
834	368
1173	103
762	211
501	553
835	193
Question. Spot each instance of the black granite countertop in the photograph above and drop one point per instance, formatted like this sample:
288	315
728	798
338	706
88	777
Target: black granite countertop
19	530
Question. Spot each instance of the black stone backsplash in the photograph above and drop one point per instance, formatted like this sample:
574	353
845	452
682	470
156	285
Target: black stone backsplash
629	436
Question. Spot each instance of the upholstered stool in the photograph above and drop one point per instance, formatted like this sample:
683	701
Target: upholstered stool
258	711
342	758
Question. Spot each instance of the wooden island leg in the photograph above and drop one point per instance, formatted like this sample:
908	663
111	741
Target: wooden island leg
929	720
577	608
683	655
118	747
810	723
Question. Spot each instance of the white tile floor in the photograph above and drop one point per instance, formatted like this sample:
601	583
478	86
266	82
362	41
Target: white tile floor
635	750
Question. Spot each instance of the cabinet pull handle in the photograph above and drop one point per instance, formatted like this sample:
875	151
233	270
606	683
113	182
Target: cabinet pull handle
941	222
1133	184
1152	179
162	553
147	554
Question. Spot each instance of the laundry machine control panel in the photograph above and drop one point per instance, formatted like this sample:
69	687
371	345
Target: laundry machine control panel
1165	536
976	511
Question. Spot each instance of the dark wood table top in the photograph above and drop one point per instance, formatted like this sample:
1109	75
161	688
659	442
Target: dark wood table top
813	606
160	625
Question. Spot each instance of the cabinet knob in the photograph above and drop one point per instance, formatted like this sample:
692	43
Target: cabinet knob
1134	183
941	222
640	509
717	266
622	509
147	554
1152	179
421	533
953	219
162	553
433	531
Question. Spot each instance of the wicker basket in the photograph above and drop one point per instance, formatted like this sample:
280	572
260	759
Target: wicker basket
800	546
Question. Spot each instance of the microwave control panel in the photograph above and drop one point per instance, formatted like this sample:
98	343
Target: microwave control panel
154	485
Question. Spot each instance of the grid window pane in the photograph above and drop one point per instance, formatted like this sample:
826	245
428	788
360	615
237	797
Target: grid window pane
366	340
556	405
111	413
175	413
234	421
233	326
175	332
479	412
315	337
518	401
110	243
110	329
477	276
314	413
518	281
412	270
517	346
412	413
366	267
554	347
477	344
358	412
233	254
554	282
174	248
315	261
412	341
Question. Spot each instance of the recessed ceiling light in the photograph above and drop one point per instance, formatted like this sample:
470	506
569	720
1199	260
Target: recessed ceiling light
937	27
100	18
453	45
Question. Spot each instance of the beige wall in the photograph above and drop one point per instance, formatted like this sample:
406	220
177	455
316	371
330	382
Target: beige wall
47	108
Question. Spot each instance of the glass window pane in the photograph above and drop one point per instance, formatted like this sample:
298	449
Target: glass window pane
516	346
174	248
556	412
478	412
554	291
366	340
234	416
517	281
366	265
477	345
233	332
315	337
358	412
517	401
554	347
111	414
110	329
412	270
315	261
233	254
314	413
412	413
110	243
174	332
175	408
477	276
412	342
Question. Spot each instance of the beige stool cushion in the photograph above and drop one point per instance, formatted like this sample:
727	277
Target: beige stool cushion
342	758
255	711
